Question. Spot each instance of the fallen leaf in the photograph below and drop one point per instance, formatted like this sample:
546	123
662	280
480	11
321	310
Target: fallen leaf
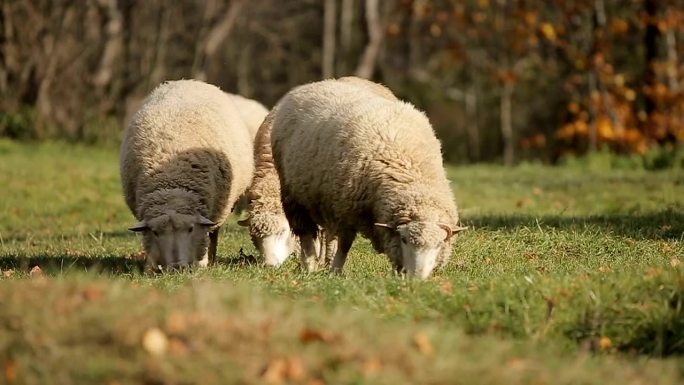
605	343
92	293
178	347
155	342
274	373
280	370
605	269
36	272
372	365
8	273
423	344
666	227
308	335
11	371
674	262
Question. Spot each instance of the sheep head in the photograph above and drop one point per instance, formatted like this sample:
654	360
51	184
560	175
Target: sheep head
173	239
421	244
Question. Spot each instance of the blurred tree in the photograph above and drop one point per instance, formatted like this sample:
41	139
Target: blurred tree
501	80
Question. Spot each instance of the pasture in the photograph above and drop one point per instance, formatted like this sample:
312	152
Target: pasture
567	275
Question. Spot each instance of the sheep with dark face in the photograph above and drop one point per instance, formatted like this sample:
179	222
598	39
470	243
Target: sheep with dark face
186	158
350	159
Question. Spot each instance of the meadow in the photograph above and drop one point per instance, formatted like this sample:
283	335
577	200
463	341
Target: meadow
567	275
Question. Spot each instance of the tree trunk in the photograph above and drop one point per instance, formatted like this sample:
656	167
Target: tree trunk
216	36
507	122
651	45
346	29
113	47
471	124
672	60
366	65
243	70
328	65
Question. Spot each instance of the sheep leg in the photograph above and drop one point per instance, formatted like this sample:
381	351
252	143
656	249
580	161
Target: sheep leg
213	244
310	252
344	243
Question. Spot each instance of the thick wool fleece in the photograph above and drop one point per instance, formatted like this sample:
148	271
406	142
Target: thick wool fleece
349	156
186	150
251	111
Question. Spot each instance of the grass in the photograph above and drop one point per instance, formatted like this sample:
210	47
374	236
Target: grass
566	276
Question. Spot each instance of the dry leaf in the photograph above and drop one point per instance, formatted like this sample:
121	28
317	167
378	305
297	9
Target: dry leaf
605	269
178	347
279	370
674	262
372	366
8	273
308	335
36	272
155	342
11	371
423	344
92	293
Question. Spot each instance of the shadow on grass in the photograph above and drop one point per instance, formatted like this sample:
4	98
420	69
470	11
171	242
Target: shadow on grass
116	234
666	224
56	264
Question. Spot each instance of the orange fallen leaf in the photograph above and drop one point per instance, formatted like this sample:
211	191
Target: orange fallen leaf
674	262
92	293
11	371
308	335
178	347
280	370
372	365
36	272
423	344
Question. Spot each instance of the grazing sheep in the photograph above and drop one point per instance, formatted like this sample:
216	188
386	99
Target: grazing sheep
253	114
352	159
251	111
268	226
186	158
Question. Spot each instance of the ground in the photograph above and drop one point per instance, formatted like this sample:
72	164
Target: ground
567	275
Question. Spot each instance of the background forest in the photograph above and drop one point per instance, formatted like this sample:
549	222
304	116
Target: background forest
501	80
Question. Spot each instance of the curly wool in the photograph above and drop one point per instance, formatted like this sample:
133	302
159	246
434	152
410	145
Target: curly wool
189	142
357	157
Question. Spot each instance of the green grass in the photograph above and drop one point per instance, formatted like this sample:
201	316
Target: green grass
565	276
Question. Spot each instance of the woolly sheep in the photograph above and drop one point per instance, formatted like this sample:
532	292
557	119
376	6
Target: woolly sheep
266	221
252	114
352	159
186	157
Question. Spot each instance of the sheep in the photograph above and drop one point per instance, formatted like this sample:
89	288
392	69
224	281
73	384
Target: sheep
266	221
253	114
186	158
352	158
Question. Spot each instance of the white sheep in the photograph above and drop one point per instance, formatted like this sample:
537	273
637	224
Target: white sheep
186	158
266	221
351	159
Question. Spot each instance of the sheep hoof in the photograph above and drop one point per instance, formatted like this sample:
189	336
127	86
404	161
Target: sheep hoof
204	262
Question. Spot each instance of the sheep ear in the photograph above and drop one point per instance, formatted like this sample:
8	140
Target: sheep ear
385	225
140	226
243	222
205	222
